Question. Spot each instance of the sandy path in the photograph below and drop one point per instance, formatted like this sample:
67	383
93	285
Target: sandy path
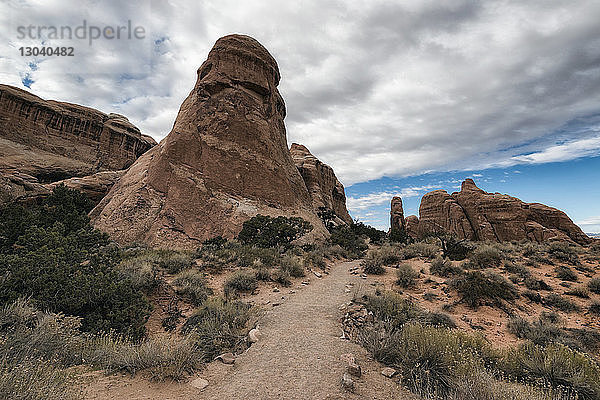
298	356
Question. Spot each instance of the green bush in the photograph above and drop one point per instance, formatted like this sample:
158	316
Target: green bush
51	254
453	248
362	230
174	261
265	231
240	281
536	284
565	274
406	276
533	296
594	285
349	240
517	269
476	288
218	326
142	273
386	255
444	268
192	284
283	278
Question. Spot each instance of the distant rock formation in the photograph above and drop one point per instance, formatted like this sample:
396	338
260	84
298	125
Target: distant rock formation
325	190
412	226
477	215
225	160
397	222
46	141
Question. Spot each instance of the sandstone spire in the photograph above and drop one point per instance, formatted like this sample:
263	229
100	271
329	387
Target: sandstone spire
226	159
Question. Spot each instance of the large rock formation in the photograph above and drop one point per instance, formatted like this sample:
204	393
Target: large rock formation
325	190
225	160
477	215
46	141
397	221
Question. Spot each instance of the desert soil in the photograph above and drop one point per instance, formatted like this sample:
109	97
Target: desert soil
298	356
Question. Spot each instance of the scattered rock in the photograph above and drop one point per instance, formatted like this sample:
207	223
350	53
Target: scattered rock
317	274
348	383
354	369
276	290
388	372
199	383
254	335
226	358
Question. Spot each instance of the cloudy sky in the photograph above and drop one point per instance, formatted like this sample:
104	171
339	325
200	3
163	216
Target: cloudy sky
400	97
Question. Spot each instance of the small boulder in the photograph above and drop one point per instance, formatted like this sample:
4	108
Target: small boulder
254	335
348	383
226	358
388	372
199	383
317	274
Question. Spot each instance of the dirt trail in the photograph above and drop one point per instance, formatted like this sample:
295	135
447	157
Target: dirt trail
298	356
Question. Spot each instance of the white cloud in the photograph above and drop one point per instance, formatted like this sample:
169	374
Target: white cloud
372	88
356	204
590	225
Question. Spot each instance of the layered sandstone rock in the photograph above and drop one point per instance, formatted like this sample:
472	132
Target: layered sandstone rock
47	141
397	222
412	226
477	215
225	160
325	190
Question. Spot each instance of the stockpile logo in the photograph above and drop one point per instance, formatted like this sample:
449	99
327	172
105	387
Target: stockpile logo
84	37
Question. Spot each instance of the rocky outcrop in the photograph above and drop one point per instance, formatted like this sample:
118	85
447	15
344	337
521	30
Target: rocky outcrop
412	226
46	141
397	222
477	215
95	186
325	190
225	160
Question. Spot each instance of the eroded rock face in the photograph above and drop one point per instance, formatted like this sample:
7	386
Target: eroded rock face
325	190
412	226
225	160
477	215
47	141
397	222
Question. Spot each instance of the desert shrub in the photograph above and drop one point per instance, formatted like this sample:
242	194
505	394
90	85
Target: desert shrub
292	266
517	269
556	301
453	248
430	296
486	256
332	252
420	249
164	357
265	231
283	278
565	273
215	243
192	284
581	291
52	254
174	261
555	365
349	240
263	274
428	357
36	380
372	266
564	252
240	281
535	284
476	288
386	255
406	276
399	236
595	308
248	256
218	326
444	268
316	258
594	285
533	296
142	273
